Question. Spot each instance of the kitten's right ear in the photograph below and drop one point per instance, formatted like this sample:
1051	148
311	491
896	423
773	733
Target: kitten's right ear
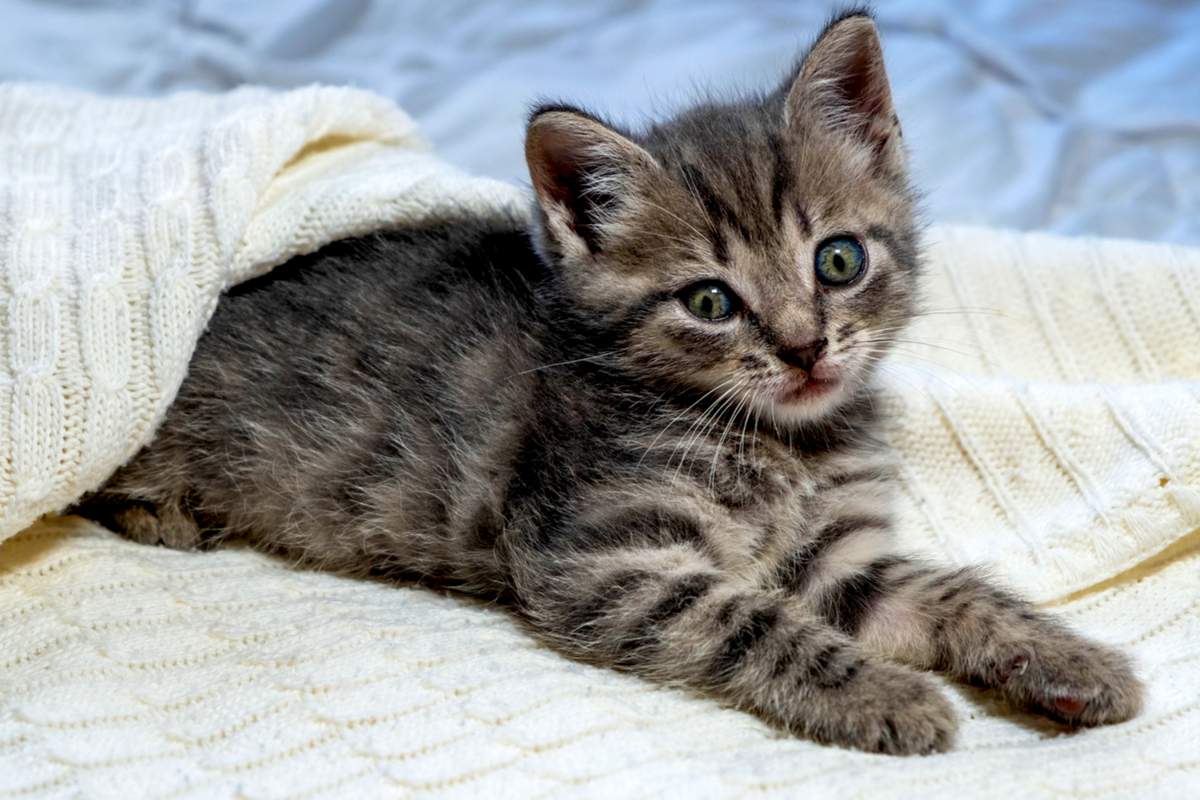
582	172
842	86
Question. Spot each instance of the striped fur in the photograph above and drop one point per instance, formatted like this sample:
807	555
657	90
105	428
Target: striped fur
534	415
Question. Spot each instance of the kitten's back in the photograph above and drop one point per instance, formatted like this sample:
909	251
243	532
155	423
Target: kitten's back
377	364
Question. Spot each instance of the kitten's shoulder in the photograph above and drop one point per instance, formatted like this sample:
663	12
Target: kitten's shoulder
492	247
487	248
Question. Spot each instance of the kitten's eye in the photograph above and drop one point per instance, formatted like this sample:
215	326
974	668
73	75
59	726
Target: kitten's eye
710	301
840	260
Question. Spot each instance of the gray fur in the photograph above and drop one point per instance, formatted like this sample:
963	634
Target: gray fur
535	416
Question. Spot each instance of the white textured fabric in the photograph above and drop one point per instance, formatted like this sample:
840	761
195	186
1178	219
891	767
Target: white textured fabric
1047	411
122	220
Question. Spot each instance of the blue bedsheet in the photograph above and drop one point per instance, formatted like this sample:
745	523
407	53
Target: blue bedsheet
1081	117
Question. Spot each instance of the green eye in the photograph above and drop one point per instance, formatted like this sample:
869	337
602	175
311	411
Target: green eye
710	301
840	260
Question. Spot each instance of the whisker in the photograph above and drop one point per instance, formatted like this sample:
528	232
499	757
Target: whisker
680	416
916	343
688	243
689	438
676	217
754	441
712	472
694	192
892	330
742	435
714	415
940	346
907	357
965	310
562	363
912	384
884	336
721	408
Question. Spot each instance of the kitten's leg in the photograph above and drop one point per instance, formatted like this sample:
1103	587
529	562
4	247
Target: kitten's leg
957	621
150	500
668	614
148	523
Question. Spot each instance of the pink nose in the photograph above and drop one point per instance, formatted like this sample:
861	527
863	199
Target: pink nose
804	356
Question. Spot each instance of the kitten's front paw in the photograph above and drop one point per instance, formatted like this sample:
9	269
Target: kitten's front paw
887	709
1071	680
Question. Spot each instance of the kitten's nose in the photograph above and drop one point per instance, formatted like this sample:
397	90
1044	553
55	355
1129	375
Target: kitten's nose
804	356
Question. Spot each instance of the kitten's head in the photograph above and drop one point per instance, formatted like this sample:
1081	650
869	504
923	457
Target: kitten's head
763	250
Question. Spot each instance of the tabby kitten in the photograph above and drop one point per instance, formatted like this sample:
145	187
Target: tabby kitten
644	420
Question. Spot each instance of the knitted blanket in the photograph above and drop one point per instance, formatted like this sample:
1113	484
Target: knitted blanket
123	220
1046	409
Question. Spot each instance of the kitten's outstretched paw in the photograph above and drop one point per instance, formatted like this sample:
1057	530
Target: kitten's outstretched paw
886	709
1071	680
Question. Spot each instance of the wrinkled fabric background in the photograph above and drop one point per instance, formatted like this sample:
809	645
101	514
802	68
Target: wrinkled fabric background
1076	117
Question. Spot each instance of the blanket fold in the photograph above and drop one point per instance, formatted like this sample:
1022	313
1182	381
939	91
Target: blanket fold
1046	408
124	219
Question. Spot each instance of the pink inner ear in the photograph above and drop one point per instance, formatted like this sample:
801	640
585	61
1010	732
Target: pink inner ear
550	151
567	153
843	82
865	89
582	165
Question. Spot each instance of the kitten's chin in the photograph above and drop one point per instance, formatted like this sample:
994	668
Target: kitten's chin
797	403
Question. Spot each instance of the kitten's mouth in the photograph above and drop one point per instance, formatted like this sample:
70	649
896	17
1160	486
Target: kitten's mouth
807	389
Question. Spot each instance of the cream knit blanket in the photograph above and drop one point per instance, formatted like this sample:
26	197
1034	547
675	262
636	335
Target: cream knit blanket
1047	410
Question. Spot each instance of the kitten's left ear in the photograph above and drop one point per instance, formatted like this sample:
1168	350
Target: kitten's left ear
583	173
842	87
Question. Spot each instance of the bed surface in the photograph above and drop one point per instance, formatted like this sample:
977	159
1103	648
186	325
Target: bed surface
1072	117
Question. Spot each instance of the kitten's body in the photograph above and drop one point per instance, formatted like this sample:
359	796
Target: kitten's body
537	417
422	439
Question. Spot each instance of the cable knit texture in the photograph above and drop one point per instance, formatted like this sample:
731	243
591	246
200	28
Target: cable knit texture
1046	409
122	221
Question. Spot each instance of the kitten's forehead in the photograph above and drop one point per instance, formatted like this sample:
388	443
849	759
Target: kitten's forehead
764	184
730	159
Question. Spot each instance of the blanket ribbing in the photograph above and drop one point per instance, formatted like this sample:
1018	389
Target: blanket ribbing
1047	412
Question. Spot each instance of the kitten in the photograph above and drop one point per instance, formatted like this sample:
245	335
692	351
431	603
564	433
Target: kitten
646	422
